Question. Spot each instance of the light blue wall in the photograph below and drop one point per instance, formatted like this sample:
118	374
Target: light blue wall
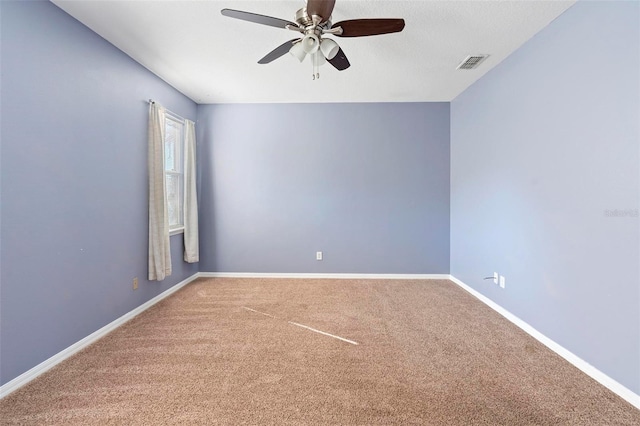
370	189
544	150
74	185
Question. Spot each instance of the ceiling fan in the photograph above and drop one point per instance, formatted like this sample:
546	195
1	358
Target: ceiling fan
313	22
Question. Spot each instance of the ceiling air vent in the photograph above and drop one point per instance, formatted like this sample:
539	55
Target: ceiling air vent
472	61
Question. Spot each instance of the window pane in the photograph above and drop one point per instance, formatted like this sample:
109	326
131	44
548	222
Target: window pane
172	145
169	154
173	141
174	200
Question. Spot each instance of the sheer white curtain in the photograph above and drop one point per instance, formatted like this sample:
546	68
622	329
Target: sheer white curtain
159	249
191	252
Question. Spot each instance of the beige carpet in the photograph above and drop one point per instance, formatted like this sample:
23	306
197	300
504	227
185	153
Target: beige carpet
225	351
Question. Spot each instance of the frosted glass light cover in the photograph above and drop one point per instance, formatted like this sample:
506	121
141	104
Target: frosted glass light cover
329	48
298	51
318	59
310	43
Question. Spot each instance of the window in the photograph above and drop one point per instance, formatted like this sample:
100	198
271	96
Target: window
174	171
173	204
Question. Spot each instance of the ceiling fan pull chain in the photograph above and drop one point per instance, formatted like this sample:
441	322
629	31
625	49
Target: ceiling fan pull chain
314	62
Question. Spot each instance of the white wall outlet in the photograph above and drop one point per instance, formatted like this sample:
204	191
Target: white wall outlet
318	255
495	278
135	283
502	281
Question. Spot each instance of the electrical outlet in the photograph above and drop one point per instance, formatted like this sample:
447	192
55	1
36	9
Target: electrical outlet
495	278
135	283
502	281
318	255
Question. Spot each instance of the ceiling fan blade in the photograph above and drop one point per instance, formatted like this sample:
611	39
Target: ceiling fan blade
323	8
258	19
368	27
340	61
278	51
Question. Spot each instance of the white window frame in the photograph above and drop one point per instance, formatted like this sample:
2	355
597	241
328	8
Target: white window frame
178	171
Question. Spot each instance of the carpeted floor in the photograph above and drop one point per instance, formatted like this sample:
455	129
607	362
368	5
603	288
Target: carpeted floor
233	351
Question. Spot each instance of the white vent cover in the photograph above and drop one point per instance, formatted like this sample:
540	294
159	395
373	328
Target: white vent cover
471	62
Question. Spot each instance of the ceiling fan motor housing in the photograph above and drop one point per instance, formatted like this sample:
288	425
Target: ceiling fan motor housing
312	24
303	18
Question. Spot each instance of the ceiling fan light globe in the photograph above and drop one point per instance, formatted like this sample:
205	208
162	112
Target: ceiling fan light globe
318	59
298	51
329	48
310	43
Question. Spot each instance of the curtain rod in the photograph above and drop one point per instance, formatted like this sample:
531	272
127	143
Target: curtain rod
151	101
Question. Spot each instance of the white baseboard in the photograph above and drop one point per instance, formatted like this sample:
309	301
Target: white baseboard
346	276
48	364
619	389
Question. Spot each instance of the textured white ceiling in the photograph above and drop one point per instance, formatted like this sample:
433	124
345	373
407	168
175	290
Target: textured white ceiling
213	59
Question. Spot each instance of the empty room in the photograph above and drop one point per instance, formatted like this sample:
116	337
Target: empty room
318	212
